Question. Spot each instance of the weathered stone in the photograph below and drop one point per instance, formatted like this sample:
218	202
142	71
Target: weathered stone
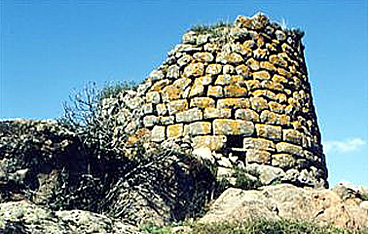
194	70
226	58
253	84
258	103
228	69
247	114
204	153
173	72
267	174
272	85
280	35
233	103
276	107
196	90
224	172
260	53
284	72
214	69
182	83
203	80
170	93
189	37
187	48
292	136
253	64
278	61
235	91
213	142
225	162
284	161
167	120
243	71
284	147
268	66
158	133
148	108
189	115
150	120
202	39
269	132
230	80
153	97
218	113
232	127
197	128
211	47
161	109
215	91
177	106
184	60
264	93
202	102
156	75
175	131
281	98
258	143
159	85
269	117
204	57
261	75
258	156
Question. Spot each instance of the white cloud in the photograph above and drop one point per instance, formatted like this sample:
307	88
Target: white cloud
343	146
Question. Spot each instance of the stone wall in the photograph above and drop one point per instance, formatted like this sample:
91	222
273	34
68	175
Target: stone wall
242	91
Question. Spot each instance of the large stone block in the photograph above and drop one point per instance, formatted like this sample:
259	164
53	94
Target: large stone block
153	97
197	128
264	93
216	113
258	143
159	85
182	83
173	72
150	120
161	109
258	104
204	80
232	127
269	131
202	102
170	93
175	130
232	58
204	57
166	120
196	90
184	60
253	84
228	79
194	70
293	136
284	147
243	71
215	91
247	114
269	117
214	69
177	106
233	103
261	75
158	133
277	60
216	142
189	115
258	156
284	161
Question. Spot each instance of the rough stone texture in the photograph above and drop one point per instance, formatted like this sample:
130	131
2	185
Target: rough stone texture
232	127
286	201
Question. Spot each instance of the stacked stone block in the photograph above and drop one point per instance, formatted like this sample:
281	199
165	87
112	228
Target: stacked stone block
242	91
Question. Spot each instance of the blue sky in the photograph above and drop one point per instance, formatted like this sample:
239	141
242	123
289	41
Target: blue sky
49	48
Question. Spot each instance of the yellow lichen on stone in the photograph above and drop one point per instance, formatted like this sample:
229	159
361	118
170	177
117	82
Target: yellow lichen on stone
215	91
233	103
175	130
202	102
235	91
232	127
194	70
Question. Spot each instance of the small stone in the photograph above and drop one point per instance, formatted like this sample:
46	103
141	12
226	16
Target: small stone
194	70
170	93
224	172
173	72
228	69
156	75
189	115
232	127
185	60
204	57
260	53
293	136
187	48
230	80
284	161
235	91
267	66
158	133
153	97
253	84
150	120
225	162
175	131
264	93
284	72
214	69
276	107
210	47
284	147
247	114
148	108
258	143
280	35
189	37
269	117
216	113
243	71
204	153
202	102
197	128
202	39
159	85
161	109
167	120
203	80
212	142
253	64
177	106
226	58
233	103
281	98
278	61
215	91
182	83
261	75
279	79
269	131
258	103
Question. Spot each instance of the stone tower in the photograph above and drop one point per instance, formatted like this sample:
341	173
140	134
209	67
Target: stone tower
242	92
